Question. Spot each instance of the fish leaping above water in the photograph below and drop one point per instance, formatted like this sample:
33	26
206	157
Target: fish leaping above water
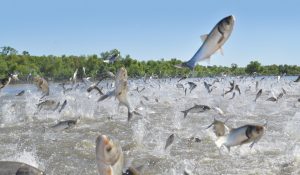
211	42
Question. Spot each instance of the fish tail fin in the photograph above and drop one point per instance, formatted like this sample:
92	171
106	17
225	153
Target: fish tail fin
187	64
220	141
184	113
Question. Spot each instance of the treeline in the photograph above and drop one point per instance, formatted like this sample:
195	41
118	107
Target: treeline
63	67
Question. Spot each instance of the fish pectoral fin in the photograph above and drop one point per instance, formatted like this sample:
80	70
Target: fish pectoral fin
204	37
221	51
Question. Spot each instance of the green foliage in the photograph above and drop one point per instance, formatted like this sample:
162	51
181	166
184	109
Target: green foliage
63	67
253	66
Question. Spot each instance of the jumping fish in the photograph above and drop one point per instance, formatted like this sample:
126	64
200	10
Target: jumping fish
196	109
298	79
109	156
121	91
242	135
63	106
42	84
169	141
67	124
212	42
20	93
18	168
5	81
258	94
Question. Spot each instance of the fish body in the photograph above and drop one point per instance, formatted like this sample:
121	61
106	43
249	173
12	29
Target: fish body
298	79
242	135
42	84
192	86
237	88
212	42
272	99
5	81
63	106
196	109
109	156
258	94
18	168
21	93
62	125
207	86
47	104
121	91
169	141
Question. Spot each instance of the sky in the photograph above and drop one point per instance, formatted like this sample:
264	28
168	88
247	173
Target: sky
265	30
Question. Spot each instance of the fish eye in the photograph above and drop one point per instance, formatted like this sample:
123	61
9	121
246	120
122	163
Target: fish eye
108	149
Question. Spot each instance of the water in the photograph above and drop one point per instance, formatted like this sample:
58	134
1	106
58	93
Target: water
27	137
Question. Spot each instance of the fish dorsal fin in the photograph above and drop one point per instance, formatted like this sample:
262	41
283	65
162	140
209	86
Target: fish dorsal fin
204	37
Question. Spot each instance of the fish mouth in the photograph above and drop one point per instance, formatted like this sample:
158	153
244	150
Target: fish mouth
105	139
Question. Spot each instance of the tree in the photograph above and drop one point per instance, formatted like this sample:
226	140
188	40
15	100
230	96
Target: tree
253	66
25	53
6	50
233	67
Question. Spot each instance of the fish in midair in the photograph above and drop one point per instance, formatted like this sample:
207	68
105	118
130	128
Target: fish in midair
272	99
18	168
63	106
169	141
42	85
258	94
21	93
237	89
109	156
73	79
233	95
192	86
241	135
121	91
212	42
196	109
280	95
208	87
219	127
47	104
232	86
5	81
283	90
182	78
63	125
298	79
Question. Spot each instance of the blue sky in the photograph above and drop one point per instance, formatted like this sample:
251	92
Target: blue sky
265	30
